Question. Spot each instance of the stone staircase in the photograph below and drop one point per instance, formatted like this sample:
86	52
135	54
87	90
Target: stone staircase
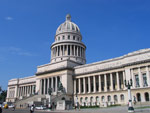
30	100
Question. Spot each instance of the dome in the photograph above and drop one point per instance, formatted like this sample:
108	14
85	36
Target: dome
68	26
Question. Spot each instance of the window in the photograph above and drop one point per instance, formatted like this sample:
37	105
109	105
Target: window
109	98
137	80
145	80
63	37
58	38
115	98
73	37
103	99
78	38
122	97
68	37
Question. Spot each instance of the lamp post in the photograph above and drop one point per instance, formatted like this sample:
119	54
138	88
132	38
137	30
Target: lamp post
128	84
49	92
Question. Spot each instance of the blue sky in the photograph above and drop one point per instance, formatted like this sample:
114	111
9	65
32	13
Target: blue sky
110	28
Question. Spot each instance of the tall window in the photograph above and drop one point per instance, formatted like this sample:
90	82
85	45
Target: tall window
68	37
73	37
137	80
145	80
63	37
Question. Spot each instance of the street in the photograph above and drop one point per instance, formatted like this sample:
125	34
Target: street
120	109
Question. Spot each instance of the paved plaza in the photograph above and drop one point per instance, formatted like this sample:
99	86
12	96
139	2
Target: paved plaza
122	109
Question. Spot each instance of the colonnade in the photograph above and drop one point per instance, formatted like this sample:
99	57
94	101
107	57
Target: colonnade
141	78
65	50
50	82
98	83
26	90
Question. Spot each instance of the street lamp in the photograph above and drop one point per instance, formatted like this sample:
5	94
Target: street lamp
49	92
128	84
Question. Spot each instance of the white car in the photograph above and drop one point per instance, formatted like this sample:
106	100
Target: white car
40	107
10	106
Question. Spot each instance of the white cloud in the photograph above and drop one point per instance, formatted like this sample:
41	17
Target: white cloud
9	18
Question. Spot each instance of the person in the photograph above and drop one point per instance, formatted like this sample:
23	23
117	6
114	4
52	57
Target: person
1	109
32	109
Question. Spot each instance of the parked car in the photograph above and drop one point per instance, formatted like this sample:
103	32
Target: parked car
40	107
10	106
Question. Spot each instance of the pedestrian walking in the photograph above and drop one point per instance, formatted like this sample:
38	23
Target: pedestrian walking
32	109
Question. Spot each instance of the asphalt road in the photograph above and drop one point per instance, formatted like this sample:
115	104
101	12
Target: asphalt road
102	110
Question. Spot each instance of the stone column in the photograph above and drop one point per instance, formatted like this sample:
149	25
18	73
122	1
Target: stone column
18	92
100	83
89	83
77	51
111	82
84	85
140	77
124	78
133	78
74	49
30	89
44	86
52	80
118	84
105	79
47	84
22	91
94	84
79	85
148	76
80	51
56	84
40	87
75	86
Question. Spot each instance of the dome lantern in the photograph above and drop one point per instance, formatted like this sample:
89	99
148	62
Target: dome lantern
68	17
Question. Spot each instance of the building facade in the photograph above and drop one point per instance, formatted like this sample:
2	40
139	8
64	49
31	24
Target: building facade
89	84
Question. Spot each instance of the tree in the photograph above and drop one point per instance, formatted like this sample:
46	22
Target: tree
3	94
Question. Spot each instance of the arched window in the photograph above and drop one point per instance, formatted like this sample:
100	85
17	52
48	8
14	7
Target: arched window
91	99
86	99
81	100
138	96
146	96
97	99
115	98
122	97
109	98
103	99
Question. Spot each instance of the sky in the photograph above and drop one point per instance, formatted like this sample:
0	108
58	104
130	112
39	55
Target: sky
110	28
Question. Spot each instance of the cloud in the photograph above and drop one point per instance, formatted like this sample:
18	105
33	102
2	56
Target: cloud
9	18
15	51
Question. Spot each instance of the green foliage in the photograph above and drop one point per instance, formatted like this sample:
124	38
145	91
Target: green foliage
3	94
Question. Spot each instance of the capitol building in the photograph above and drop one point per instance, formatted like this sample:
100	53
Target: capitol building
89	84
